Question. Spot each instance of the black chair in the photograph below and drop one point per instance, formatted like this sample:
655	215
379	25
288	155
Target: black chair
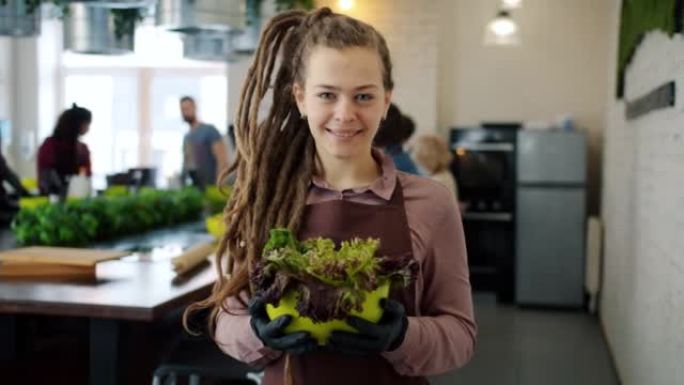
199	358
118	179
142	177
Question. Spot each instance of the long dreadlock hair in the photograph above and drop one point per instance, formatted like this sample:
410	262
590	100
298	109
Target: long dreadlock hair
275	157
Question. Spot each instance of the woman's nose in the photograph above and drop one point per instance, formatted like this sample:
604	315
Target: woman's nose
345	110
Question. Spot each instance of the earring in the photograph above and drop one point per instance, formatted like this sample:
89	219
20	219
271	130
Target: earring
303	117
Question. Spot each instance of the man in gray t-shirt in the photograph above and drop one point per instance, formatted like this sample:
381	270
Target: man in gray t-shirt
204	152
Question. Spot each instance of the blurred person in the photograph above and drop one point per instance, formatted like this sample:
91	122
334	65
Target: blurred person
8	200
394	131
204	152
432	154
10	177
62	155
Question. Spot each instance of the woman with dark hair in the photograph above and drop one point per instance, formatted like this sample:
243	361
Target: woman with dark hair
394	131
62	154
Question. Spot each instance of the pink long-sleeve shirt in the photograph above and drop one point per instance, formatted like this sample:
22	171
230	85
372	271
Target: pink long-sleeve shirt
442	336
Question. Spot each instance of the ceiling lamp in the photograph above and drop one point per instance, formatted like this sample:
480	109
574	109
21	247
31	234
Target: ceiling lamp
345	5
511	4
502	30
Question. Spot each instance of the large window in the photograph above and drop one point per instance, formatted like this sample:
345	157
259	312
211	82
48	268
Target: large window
135	104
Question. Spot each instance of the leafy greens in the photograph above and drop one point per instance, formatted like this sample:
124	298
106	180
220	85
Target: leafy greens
329	281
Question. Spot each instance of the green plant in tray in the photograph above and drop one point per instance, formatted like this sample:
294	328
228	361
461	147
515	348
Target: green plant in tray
81	222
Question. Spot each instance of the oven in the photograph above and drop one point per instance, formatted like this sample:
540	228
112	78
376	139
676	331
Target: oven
484	169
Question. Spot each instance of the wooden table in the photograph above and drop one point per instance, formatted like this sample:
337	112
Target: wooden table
129	289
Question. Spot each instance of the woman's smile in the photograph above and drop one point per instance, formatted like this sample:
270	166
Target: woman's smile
343	135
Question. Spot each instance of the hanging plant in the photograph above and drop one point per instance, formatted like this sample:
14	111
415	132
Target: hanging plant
31	5
62	6
253	11
284	5
126	19
254	7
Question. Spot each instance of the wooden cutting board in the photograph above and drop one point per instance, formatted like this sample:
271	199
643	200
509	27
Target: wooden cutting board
45	271
59	255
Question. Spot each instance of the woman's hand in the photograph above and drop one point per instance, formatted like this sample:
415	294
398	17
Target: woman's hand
373	338
272	333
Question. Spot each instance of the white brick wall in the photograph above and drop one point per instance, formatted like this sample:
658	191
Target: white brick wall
5	77
643	292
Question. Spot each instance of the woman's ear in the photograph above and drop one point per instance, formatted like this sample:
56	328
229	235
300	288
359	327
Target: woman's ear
298	92
387	100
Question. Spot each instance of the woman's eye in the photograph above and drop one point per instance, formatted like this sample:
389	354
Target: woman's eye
326	95
364	97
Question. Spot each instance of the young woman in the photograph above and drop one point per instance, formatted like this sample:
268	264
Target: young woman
310	167
62	154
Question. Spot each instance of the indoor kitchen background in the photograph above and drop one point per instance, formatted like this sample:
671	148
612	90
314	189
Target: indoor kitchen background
565	118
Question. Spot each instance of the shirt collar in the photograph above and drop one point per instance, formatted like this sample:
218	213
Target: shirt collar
383	186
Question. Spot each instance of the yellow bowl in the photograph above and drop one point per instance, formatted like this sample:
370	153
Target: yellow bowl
371	311
33	202
215	225
30	183
116	191
213	192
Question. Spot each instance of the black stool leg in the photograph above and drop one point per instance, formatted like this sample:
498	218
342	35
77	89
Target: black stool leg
8	337
104	352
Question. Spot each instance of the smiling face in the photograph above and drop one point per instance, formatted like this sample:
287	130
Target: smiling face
343	99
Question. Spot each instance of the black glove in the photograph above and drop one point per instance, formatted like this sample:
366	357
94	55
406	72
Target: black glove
272	333
373	338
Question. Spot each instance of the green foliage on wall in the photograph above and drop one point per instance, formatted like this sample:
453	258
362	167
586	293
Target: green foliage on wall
639	17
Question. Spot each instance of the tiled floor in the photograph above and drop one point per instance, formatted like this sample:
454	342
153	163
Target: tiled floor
515	347
534	347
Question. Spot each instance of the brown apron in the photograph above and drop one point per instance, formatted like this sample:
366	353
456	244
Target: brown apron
342	220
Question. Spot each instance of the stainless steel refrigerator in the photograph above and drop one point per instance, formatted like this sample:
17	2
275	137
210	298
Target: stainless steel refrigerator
550	218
